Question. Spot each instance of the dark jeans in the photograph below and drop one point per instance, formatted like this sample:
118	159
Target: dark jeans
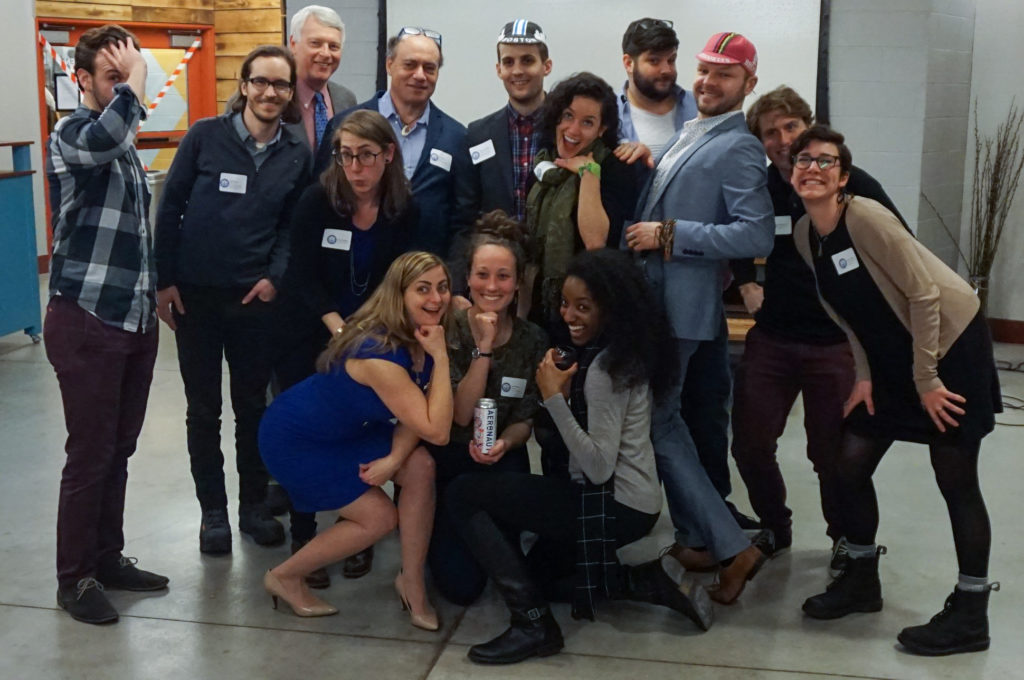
216	325
769	376
508	501
104	375
456	573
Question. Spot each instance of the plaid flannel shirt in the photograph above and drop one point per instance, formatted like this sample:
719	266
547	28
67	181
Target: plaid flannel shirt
102	245
524	135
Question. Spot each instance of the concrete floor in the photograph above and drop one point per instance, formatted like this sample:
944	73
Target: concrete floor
215	621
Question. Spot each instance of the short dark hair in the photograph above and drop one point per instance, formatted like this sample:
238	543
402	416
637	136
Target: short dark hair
784	99
292	113
542	48
823	133
392	47
583	84
95	39
656	37
640	348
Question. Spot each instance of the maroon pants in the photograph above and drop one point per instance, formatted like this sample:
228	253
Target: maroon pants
104	375
771	374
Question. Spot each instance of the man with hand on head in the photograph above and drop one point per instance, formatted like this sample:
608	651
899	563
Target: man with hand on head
432	142
100	330
705	203
221	250
794	346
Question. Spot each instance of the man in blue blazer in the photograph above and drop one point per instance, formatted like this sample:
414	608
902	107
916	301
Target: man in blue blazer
432	142
705	203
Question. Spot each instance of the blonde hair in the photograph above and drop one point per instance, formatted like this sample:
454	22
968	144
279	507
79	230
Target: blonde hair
383	317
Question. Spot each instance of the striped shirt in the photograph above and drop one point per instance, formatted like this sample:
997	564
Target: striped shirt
102	244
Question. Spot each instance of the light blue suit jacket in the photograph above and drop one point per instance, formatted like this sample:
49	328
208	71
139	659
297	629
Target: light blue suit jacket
718	196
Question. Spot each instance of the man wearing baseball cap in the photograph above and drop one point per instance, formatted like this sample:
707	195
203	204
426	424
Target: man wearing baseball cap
501	146
705	203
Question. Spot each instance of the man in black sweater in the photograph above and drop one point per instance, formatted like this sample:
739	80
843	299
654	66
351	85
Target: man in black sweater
794	346
221	250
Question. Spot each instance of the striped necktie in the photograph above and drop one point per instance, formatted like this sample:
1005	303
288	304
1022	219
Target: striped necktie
319	116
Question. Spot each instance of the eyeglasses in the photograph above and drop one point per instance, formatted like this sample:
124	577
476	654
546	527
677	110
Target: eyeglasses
416	30
259	83
824	161
365	158
645	24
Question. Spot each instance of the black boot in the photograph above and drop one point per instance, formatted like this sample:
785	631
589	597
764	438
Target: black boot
533	630
961	626
663	582
855	590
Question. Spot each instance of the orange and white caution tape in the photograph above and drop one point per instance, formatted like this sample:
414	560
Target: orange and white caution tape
57	58
196	44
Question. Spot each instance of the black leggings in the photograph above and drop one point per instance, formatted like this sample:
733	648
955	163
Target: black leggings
956	472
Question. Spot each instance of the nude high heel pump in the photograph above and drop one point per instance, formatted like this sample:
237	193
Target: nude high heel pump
427	620
273	586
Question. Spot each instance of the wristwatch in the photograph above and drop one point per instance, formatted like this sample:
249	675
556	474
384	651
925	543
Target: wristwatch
476	354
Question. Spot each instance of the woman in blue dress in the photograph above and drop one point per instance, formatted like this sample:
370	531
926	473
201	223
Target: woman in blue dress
331	440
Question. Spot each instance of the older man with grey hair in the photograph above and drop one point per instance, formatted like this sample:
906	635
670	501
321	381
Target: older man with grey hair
316	38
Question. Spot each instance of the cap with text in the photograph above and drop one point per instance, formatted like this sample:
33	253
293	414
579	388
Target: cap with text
730	48
522	32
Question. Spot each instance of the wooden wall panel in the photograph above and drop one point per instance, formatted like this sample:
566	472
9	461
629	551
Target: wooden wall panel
248	20
181	4
173	15
229	67
249	4
225	88
240	44
74	10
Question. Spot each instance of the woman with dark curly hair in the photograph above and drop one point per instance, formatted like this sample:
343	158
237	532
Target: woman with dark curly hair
584	193
601	406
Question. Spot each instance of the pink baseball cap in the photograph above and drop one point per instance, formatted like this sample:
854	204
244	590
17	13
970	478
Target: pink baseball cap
730	48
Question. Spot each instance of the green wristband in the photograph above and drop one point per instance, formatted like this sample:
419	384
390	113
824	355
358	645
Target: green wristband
591	167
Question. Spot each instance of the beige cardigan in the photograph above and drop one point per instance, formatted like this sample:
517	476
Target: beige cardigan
930	299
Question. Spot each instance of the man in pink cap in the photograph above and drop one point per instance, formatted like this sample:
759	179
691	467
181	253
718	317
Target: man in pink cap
705	203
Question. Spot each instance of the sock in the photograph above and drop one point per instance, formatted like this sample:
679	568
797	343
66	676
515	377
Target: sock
857	551
972	584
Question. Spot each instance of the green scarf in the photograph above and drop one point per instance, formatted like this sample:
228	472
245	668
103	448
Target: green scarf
549	210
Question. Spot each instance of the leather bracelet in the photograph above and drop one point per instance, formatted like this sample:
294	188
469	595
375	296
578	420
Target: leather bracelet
591	167
667	237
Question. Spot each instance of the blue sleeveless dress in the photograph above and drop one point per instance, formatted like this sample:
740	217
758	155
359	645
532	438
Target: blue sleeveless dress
314	435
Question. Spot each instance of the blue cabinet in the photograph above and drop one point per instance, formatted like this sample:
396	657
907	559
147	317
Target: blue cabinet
19	273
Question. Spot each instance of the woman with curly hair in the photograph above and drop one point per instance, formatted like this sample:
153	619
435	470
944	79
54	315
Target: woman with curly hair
331	440
601	406
584	193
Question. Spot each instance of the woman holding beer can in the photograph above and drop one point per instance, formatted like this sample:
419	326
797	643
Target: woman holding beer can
601	406
493	360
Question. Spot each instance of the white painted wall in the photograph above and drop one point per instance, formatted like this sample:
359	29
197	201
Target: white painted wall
997	79
587	35
19	103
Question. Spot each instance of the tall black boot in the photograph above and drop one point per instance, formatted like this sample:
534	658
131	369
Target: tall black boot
663	582
961	626
855	590
533	631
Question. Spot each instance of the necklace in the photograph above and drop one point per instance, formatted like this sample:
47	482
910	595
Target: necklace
358	287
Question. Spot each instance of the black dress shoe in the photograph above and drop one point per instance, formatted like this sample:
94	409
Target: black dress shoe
532	633
277	500
215	532
359	564
319	578
122	574
255	519
86	602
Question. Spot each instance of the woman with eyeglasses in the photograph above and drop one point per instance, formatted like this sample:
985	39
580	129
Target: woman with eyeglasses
583	193
346	229
925	373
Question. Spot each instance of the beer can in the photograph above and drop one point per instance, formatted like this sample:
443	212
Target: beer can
485	424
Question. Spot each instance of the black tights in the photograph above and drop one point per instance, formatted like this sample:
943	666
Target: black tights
956	472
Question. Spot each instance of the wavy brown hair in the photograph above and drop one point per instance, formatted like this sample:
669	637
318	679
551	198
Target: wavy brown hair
383	317
394	192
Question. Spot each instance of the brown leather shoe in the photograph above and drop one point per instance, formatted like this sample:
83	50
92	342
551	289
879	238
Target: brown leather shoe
691	559
358	565
733	579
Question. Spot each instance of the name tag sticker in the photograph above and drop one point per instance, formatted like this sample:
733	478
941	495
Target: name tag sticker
232	184
481	152
845	261
783	225
336	239
441	159
513	387
543	167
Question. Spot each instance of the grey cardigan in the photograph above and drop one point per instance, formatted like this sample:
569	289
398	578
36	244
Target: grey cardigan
617	440
930	299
